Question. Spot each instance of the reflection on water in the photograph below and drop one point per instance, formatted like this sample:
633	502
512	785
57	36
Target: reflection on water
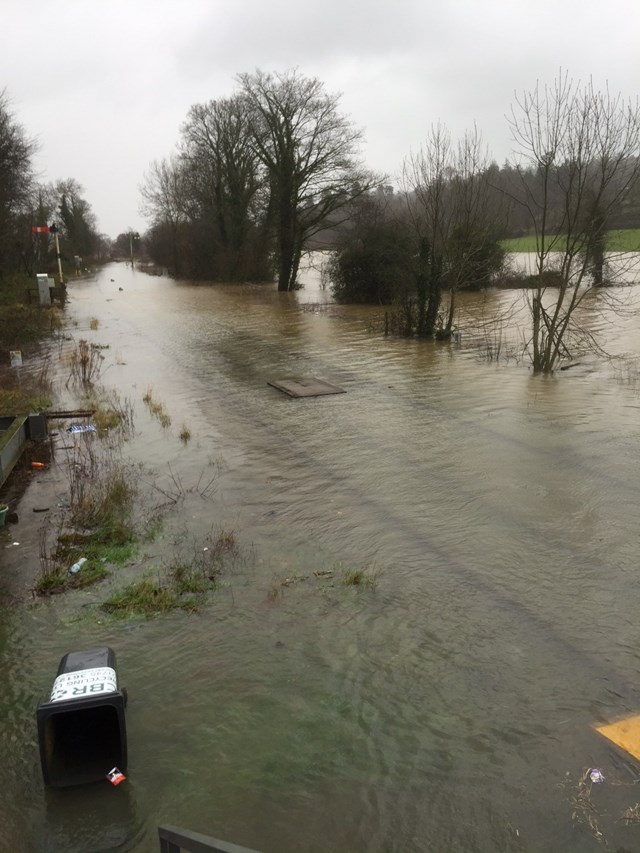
448	708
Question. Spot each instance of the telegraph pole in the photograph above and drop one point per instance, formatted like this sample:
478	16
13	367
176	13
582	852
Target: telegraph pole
133	235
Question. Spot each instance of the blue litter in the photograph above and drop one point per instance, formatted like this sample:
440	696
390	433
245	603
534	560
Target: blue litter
82	428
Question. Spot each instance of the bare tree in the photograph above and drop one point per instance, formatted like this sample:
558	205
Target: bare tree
16	186
164	200
455	217
425	176
223	176
578	157
310	153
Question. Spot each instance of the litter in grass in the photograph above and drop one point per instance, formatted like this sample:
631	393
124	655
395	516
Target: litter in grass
81	428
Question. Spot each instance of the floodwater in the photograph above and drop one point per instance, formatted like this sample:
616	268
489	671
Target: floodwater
450	707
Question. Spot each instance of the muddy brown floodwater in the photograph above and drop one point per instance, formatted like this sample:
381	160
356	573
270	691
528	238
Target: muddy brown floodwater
449	708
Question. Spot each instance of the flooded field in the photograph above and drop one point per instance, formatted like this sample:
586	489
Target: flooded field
449	705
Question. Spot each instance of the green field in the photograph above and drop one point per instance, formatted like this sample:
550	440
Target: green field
617	241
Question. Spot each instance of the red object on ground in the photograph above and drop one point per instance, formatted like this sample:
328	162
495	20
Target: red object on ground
116	776
37	464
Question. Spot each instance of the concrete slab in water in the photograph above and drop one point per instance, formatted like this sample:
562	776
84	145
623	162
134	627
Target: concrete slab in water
305	386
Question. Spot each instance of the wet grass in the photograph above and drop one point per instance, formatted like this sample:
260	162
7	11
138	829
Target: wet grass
152	530
624	241
100	553
627	240
111	413
23	324
99	519
145	598
14	401
181	585
520	244
85	364
157	408
26	392
59	580
98	524
359	577
364	577
102	501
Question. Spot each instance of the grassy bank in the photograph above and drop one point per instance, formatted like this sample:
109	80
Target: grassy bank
617	241
96	524
23	323
23	326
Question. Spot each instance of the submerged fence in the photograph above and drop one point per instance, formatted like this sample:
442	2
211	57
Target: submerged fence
174	840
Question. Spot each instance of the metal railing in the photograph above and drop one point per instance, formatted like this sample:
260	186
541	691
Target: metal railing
174	840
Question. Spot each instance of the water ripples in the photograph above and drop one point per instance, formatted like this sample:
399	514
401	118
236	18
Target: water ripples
497	512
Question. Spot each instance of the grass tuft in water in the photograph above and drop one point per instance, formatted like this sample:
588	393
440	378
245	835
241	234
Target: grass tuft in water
60	580
146	597
361	577
111	413
157	408
85	364
98	525
183	585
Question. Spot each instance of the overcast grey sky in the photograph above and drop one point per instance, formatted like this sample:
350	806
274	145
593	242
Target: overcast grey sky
105	86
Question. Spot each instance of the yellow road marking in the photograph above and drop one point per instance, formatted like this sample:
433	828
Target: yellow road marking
625	734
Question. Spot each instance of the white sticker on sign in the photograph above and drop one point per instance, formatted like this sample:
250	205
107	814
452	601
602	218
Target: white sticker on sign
84	682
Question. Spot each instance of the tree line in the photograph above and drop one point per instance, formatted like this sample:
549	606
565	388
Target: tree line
25	202
255	177
273	170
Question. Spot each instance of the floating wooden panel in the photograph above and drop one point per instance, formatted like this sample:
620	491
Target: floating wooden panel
305	386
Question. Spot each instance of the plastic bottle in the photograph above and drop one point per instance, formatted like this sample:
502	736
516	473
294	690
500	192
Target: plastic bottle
77	566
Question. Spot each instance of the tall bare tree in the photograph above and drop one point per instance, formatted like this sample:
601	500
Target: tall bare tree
223	179
578	157
164	200
310	153
16	186
456	219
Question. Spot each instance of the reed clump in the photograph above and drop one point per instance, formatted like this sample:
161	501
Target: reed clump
96	524
85	362
157	408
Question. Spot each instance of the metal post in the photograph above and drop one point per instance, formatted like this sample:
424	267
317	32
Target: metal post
59	258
